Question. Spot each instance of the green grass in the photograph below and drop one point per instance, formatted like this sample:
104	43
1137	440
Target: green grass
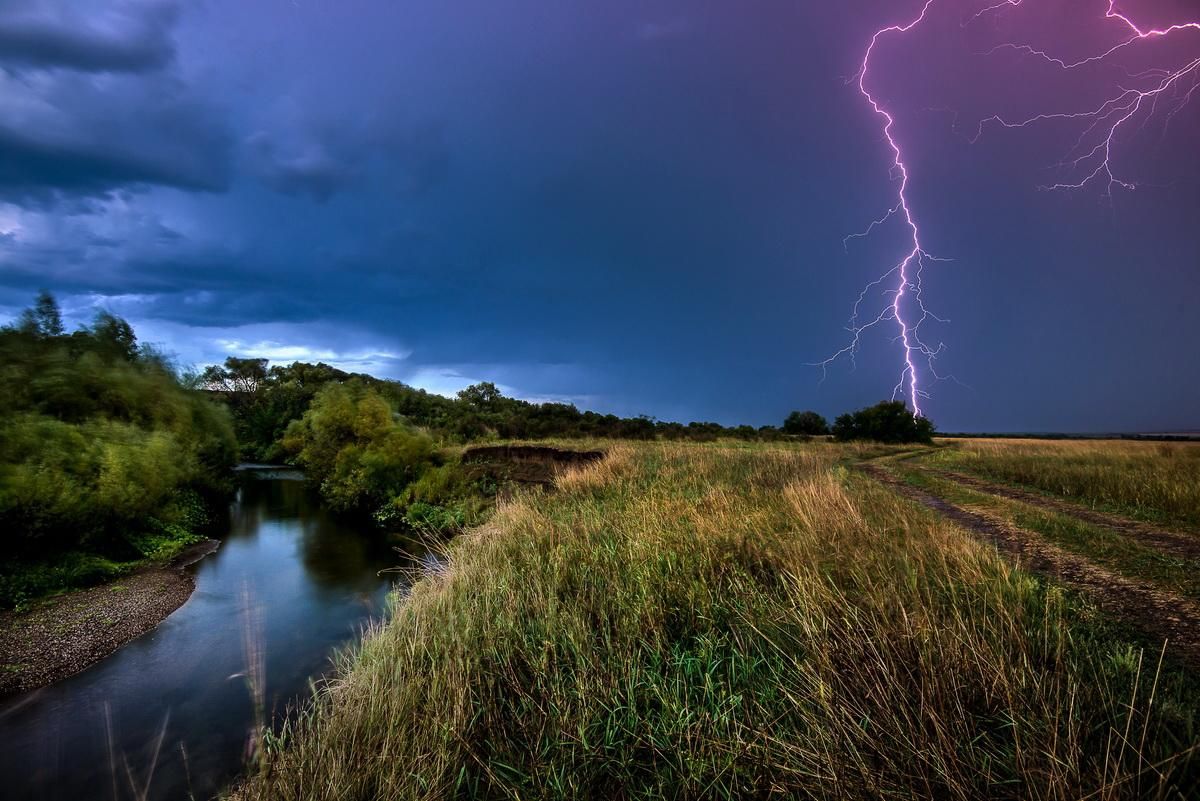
1119	552
1157	482
729	622
24	582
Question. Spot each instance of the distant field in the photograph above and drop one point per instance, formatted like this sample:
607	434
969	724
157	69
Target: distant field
1154	481
734	620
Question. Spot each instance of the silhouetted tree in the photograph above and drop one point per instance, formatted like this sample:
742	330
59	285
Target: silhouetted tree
483	395
887	421
114	336
238	376
809	423
44	319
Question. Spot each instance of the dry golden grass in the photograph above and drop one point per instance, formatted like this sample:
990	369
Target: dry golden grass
686	621
1156	481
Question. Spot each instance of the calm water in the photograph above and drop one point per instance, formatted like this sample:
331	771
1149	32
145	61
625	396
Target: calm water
303	582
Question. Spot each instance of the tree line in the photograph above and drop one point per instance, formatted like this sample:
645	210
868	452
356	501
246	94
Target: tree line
265	399
109	456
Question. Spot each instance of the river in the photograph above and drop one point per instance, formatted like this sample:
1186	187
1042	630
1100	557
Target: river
170	715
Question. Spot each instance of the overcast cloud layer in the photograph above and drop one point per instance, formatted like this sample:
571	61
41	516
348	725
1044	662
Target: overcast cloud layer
636	206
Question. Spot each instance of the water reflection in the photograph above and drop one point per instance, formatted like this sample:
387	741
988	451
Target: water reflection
300	580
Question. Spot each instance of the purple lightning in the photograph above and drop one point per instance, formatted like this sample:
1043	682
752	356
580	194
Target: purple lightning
907	271
1091	157
1092	154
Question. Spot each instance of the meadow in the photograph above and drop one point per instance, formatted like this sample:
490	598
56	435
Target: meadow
732	620
1153	481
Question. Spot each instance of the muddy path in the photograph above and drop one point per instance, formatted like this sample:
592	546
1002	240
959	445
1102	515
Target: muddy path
1161	614
65	634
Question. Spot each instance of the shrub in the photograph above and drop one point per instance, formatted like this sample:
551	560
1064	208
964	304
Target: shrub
806	423
353	446
887	421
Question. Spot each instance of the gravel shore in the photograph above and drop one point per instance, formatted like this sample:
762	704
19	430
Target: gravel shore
70	632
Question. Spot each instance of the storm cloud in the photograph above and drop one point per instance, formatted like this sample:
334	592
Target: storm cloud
639	207
125	37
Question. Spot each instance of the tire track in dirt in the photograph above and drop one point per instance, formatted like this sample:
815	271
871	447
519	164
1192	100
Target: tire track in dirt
1154	611
1173	543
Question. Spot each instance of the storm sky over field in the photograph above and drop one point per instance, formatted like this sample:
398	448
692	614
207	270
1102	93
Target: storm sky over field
635	206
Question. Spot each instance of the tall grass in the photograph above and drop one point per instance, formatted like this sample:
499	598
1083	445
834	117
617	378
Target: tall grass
706	622
1114	549
1156	481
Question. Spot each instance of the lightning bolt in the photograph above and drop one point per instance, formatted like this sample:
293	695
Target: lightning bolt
905	275
1091	158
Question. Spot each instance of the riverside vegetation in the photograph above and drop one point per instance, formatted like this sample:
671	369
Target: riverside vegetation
739	620
706	612
107	458
110	458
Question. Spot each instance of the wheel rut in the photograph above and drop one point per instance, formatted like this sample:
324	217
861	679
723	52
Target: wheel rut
1173	543
1161	614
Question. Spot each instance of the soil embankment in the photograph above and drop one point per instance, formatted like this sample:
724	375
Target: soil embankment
65	634
524	464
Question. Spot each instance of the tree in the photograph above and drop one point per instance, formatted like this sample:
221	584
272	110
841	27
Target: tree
353	447
44	319
482	395
807	423
114	336
238	376
887	421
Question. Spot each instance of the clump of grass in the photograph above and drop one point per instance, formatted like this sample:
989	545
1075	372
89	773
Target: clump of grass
1154	481
706	622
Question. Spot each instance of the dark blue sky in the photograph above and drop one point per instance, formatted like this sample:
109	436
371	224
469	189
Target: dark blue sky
636	206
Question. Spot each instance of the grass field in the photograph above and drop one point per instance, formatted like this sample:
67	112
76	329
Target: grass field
731	621
1154	481
1124	554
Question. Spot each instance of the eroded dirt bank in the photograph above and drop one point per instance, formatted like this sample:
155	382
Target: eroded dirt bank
63	635
524	464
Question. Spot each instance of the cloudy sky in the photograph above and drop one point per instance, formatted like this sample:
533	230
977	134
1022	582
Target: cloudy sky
635	205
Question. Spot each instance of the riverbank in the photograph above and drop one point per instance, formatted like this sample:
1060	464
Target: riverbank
738	620
67	633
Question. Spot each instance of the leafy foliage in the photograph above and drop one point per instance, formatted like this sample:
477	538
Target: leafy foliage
103	451
887	421
264	400
805	423
356	447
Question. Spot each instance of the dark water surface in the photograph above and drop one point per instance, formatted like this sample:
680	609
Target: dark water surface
298	581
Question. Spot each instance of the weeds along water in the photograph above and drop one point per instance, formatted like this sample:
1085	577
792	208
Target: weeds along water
705	621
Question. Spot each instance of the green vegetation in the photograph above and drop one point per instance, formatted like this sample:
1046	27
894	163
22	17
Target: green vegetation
1158	482
1118	551
106	458
886	421
705	621
351	443
367	459
805	424
265	400
734	616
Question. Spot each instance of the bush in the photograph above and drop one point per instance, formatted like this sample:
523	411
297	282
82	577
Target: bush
805	423
104	453
355	448
887	421
443	500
